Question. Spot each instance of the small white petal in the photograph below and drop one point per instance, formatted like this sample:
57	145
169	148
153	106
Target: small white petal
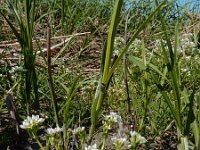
79	129
41	120
52	131
91	147
29	122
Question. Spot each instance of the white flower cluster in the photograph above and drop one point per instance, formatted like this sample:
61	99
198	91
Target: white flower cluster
187	43
118	43
91	147
117	92
53	131
122	141
137	42
78	130
114	117
119	141
136	46
157	45
137	137
30	122
17	69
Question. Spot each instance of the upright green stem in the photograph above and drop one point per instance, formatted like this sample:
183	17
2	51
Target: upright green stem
146	88
96	105
125	69
105	135
63	14
35	88
50	80
40	144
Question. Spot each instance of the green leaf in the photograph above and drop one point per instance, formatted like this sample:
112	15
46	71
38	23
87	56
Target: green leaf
13	29
140	28
76	84
138	61
111	36
169	103
62	50
190	114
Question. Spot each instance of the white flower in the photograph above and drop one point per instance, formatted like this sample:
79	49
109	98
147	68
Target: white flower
118	43
52	131
136	45
187	42
138	138
188	58
134	133
137	41
17	69
91	147
29	122
184	70
78	130
120	141
116	52
142	139
114	117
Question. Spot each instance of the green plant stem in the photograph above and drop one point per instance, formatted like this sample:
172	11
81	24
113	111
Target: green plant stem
125	69
105	135
50	80
35	137
103	144
40	144
35	87
146	88
63	15
95	111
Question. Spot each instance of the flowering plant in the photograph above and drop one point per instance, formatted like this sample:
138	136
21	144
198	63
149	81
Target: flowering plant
136	139
53	136
120	142
32	124
91	147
